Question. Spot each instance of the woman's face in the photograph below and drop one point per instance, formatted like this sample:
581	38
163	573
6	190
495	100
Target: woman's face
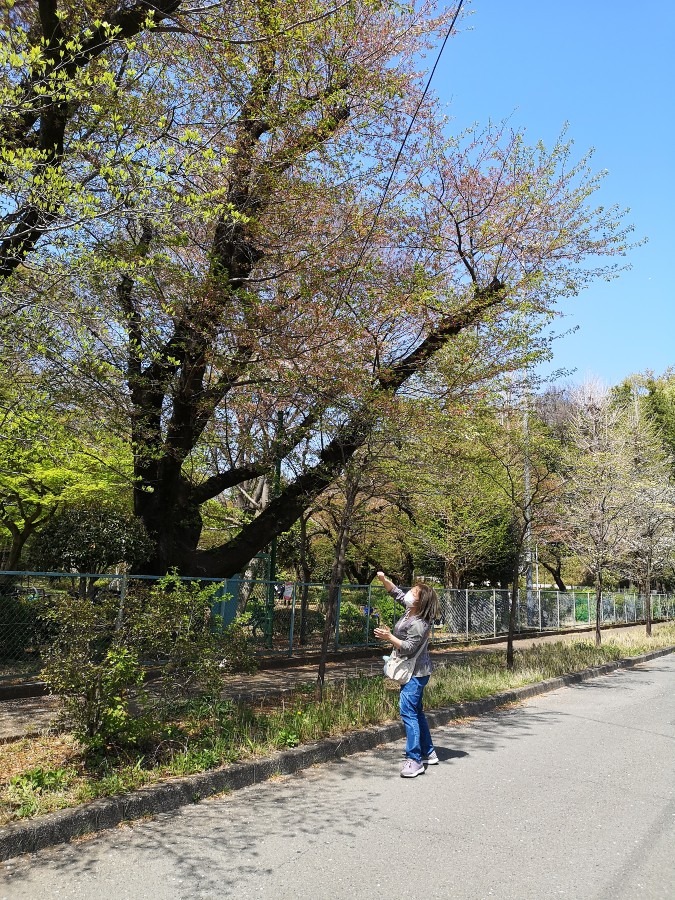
411	597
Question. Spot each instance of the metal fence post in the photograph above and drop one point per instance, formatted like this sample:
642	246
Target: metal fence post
337	616
269	615
466	601
539	592
494	611
518	609
614	599
123	594
557	600
588	603
368	615
292	629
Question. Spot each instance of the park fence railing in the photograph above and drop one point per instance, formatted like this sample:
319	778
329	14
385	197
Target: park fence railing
289	618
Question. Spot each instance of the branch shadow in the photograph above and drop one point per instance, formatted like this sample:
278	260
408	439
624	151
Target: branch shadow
224	845
250	839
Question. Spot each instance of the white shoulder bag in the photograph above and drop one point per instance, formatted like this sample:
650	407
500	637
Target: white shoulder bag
401	668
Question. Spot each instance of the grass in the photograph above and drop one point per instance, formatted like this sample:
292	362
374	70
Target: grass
53	772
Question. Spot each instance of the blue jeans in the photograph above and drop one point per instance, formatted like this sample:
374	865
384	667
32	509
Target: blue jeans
418	739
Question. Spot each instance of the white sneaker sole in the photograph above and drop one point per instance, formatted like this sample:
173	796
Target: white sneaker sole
413	774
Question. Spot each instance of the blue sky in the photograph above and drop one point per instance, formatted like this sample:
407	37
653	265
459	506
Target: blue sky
606	67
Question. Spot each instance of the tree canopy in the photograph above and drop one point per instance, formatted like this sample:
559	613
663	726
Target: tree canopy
194	237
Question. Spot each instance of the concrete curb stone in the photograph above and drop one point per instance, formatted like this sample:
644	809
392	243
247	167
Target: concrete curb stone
65	825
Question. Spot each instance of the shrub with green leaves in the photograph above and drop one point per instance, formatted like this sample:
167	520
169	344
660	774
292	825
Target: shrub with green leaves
94	673
238	652
353	623
89	536
104	647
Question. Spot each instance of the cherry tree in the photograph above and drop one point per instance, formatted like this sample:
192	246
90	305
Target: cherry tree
195	237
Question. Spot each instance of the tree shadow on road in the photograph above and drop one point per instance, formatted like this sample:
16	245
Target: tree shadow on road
227	845
221	846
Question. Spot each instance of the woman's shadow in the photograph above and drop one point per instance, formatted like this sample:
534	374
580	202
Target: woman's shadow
445	753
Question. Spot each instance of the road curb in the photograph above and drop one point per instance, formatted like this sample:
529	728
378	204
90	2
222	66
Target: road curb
65	825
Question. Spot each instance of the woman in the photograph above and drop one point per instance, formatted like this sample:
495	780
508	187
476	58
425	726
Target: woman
410	635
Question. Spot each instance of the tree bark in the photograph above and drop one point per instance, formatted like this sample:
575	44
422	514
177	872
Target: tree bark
306	574
556	572
407	568
513	608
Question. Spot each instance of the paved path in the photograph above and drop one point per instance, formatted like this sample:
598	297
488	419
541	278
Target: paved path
37	714
571	795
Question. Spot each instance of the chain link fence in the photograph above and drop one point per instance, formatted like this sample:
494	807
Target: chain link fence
289	618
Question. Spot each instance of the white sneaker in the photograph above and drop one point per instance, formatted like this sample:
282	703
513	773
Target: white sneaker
412	769
431	760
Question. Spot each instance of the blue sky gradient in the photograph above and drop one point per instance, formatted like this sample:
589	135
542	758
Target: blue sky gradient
605	67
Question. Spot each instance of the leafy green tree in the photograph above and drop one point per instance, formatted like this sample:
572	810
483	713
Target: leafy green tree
44	463
89	536
659	406
201	182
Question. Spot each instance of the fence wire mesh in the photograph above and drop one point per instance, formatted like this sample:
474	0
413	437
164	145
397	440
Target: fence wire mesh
287	618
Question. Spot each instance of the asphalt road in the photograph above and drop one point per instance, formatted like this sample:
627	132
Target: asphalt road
571	795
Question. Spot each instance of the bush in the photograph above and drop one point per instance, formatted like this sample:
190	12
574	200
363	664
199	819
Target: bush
88	537
316	621
353	624
88	666
103	648
388	609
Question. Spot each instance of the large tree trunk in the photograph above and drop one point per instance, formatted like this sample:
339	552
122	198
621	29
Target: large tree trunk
175	524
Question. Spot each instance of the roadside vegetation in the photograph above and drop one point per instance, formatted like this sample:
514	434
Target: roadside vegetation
57	771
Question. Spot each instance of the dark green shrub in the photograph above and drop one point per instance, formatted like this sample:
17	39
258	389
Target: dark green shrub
88	537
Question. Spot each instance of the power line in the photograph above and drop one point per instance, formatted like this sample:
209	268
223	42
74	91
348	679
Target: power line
402	147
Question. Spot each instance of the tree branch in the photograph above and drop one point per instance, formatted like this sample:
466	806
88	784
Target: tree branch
287	507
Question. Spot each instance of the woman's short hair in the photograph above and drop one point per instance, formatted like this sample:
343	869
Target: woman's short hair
428	606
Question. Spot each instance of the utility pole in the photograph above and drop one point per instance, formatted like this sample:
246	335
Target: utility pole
269	618
527	508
